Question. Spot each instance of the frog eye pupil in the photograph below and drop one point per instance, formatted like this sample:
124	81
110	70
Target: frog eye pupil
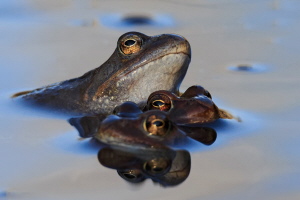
157	169
129	176
158	103
158	123
157	166
130	42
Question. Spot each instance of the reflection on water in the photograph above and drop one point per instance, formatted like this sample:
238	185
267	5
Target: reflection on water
167	167
3	193
119	21
144	145
153	142
248	67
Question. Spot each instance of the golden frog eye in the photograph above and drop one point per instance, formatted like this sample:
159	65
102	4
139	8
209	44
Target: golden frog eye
157	166
130	44
156	125
160	102
133	176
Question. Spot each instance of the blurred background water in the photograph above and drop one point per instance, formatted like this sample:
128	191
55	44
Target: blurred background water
244	52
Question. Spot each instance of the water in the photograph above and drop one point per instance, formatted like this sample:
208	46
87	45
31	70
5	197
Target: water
133	21
42	157
250	68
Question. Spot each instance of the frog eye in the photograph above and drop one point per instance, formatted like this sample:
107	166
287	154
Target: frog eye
157	166
130	44
133	176
156	125
160	102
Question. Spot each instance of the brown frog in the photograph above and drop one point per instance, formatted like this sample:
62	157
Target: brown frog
140	65
130	127
195	105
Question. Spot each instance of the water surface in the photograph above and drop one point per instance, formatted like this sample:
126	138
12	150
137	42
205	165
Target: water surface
255	160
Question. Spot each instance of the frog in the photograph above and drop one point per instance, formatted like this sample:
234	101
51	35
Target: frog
130	127
140	65
194	106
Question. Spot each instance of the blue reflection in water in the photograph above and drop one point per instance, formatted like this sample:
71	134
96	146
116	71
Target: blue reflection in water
115	20
70	142
249	67
3	193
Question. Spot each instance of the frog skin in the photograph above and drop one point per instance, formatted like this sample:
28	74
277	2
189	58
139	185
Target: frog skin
140	65
195	105
130	127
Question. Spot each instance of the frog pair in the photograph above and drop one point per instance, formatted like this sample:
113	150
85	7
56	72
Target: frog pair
139	66
166	120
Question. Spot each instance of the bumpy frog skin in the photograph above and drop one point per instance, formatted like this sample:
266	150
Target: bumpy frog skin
195	105
140	65
167	167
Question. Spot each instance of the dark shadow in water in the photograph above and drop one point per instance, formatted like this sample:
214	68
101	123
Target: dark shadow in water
248	68
136	20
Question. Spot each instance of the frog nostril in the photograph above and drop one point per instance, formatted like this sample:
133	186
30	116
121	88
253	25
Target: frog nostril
130	42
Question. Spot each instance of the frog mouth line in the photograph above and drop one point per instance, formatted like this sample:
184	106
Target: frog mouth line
146	62
117	76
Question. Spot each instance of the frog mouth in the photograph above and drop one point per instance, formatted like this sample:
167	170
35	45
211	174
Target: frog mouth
185	54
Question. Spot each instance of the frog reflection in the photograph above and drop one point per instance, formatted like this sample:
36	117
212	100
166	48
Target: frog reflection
166	167
195	105
139	144
136	129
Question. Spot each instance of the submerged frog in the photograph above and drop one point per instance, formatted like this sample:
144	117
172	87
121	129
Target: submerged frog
140	65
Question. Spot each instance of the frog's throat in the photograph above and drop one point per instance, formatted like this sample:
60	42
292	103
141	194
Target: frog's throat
123	73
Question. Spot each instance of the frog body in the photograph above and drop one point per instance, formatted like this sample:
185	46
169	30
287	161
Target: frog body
140	65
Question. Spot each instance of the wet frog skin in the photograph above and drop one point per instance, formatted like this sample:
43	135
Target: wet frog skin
195	105
140	65
130	127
